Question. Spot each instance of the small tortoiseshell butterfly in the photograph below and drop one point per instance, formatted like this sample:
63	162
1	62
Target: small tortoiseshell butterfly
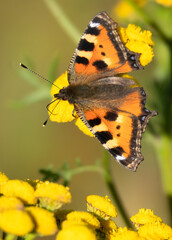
112	107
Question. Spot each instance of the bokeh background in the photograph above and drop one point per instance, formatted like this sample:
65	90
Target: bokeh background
30	34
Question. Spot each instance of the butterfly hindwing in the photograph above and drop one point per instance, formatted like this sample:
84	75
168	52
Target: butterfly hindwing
120	129
101	52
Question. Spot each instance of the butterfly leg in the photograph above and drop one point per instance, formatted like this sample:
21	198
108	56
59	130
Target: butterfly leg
74	113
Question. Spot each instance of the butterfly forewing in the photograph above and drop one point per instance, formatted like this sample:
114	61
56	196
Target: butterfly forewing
101	52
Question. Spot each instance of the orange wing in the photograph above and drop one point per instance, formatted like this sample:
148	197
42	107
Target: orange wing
120	130
101	51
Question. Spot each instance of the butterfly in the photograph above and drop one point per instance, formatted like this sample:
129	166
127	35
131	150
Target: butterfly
111	106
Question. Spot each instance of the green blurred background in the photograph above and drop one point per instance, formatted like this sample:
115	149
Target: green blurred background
30	31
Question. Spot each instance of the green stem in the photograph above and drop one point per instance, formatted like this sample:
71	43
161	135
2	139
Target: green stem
9	236
164	156
30	236
68	175
63	20
113	190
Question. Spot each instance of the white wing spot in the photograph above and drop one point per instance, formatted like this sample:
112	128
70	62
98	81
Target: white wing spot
119	158
92	24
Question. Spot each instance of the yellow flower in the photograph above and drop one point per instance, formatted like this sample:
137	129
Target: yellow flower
52	195
155	231
44	220
16	222
166	3
101	206
76	232
124	9
138	41
83	217
3	178
109	227
126	234
144	216
63	111
10	203
19	189
79	123
69	223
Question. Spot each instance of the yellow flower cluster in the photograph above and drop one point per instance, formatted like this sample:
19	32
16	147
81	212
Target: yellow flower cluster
27	206
135	40
32	208
138	41
97	223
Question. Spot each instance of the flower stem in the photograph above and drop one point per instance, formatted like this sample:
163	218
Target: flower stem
68	175
63	20
30	236
9	236
113	190
164	155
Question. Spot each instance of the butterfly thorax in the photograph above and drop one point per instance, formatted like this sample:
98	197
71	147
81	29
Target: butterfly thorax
79	93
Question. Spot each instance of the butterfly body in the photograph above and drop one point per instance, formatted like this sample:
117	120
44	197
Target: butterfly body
111	106
107	92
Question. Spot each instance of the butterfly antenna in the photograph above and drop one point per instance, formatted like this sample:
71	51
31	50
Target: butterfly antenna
23	66
45	123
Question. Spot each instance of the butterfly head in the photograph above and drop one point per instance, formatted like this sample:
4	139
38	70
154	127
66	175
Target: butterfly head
62	94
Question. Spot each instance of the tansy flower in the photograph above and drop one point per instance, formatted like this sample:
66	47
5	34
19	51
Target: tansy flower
101	206
83	217
109	227
16	222
19	189
138	41
155	231
69	223
3	178
10	203
144	216
126	234
52	195
44	220
76	232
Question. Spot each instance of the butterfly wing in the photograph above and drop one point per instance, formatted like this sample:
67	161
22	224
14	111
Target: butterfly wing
120	124
101	52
